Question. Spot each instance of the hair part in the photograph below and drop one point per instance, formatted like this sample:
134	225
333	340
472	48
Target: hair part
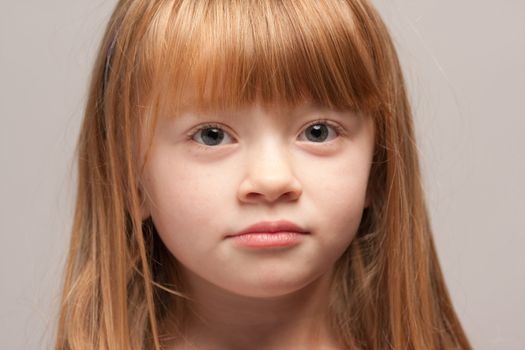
121	288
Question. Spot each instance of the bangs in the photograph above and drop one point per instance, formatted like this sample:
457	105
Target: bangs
229	54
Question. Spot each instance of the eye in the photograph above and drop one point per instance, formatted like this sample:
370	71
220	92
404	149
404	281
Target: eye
211	135
320	131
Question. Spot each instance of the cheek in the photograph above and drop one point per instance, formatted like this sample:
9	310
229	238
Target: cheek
340	180
184	202
338	194
343	206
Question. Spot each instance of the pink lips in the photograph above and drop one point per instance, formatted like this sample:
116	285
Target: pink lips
268	234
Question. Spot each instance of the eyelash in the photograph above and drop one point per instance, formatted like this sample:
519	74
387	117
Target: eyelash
206	126
337	128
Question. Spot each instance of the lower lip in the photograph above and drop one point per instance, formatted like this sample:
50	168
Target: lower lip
268	240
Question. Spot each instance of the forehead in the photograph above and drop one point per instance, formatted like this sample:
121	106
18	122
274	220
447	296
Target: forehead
204	107
229	57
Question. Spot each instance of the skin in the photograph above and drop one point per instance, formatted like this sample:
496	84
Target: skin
265	169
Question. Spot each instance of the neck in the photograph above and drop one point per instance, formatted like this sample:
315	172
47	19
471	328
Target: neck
223	320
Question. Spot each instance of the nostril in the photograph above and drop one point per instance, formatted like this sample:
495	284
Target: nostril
269	182
285	193
294	194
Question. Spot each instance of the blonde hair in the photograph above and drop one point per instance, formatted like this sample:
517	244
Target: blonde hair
121	287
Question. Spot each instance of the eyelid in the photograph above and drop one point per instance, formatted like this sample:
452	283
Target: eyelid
191	134
338	128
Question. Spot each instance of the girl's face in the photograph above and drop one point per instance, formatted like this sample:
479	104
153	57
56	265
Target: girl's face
210	176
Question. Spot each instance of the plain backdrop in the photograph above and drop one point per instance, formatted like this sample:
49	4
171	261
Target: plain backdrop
464	61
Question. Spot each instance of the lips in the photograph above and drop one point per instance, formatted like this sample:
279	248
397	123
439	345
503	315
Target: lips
271	227
270	235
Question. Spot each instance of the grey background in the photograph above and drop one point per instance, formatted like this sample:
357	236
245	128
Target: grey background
465	66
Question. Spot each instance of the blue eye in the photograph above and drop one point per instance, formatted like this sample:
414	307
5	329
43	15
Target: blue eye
320	131
210	135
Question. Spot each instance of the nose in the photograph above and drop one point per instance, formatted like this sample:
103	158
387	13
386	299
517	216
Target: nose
269	177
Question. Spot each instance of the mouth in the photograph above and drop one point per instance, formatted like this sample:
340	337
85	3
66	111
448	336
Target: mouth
270	234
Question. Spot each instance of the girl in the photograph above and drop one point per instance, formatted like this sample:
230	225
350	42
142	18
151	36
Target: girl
248	179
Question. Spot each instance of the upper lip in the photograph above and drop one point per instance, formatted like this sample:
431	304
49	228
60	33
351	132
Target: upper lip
271	227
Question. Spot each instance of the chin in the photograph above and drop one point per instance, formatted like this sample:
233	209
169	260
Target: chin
271	287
